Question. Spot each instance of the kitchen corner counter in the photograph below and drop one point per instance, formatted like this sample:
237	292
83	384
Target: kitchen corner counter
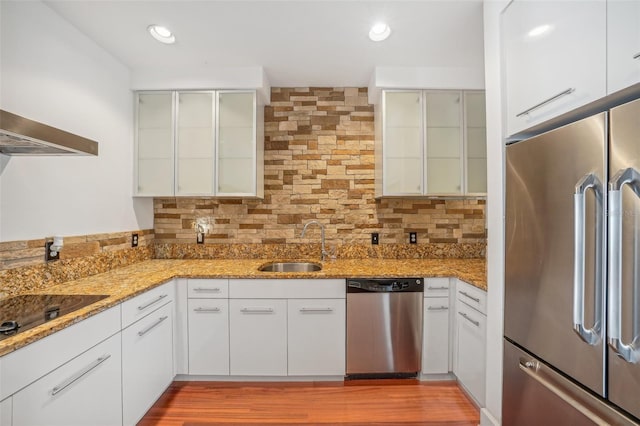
124	283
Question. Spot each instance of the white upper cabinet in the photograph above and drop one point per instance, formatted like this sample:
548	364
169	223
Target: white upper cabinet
623	44
432	143
236	143
198	143
154	143
555	58
195	143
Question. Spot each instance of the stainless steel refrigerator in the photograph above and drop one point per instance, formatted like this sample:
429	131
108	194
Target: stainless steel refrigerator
572	274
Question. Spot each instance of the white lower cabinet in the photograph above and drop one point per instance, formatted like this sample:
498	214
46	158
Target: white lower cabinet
147	362
471	347
435	349
84	391
316	337
6	408
258	337
208	336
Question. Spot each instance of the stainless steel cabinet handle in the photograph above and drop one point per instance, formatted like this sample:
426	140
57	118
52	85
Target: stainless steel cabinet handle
636	56
437	288
536	372
629	177
316	309
207	310
474	322
547	101
438	308
207	290
475	299
79	374
152	326
156	300
256	310
592	335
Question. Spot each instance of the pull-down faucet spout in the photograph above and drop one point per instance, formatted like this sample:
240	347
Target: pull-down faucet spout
324	252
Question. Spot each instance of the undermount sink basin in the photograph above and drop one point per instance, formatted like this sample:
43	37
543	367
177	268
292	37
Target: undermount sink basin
290	267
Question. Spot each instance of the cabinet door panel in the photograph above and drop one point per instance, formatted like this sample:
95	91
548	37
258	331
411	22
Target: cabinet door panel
208	336
471	335
258	337
444	176
476	176
443	142
154	143
147	362
93	398
403	176
236	142
195	143
195	176
316	337
402	109
195	110
155	110
154	177
435	350
551	48
236	176
623	44
443	109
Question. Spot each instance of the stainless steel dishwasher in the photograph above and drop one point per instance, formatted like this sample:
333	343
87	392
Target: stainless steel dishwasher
384	327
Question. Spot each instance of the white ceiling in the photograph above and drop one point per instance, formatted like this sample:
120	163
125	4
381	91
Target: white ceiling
298	43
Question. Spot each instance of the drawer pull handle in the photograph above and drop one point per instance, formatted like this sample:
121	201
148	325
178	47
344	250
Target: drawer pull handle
465	316
207	310
62	386
636	56
316	309
156	300
569	91
475	299
437	288
152	326
257	310
438	308
207	290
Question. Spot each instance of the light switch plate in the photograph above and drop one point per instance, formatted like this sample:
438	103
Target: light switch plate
374	238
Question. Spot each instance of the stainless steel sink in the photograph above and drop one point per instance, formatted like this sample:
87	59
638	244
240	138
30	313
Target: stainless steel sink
290	267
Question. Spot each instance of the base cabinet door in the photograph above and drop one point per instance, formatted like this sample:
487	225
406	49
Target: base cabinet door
147	362
258	337
316	337
435	350
471	335
208	336
84	391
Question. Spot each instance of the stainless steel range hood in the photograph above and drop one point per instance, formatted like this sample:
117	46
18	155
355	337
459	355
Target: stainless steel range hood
22	136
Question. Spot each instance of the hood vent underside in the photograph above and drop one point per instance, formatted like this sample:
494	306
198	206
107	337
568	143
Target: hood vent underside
22	136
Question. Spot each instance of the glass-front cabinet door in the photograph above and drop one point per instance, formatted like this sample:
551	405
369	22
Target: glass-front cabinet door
476	142
195	143
403	172
154	144
236	171
443	118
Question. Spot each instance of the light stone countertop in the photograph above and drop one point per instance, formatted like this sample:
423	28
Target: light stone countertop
124	283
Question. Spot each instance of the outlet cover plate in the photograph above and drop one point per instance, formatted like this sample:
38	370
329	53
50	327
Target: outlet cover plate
134	240
47	252
413	237
375	238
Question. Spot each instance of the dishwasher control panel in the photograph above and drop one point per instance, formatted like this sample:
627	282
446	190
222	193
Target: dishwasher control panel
385	285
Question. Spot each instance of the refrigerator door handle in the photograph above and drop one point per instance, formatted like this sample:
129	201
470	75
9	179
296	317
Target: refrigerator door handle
538	372
630	177
592	336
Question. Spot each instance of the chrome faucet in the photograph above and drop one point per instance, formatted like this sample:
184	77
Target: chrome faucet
324	252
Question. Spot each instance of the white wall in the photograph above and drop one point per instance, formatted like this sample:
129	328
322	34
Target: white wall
52	73
492	412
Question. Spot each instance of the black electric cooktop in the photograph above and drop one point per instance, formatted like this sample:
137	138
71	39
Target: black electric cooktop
20	313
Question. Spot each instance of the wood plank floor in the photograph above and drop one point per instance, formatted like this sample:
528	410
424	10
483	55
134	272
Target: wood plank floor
395	402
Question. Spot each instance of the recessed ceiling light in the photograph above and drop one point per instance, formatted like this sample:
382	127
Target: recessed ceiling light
539	30
162	34
379	32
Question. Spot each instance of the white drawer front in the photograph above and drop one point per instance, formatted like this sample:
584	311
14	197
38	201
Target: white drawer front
287	289
436	287
142	305
208	288
28	364
472	296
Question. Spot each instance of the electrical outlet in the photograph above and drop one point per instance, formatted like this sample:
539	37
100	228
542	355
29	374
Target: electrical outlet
134	240
47	252
200	238
413	237
374	238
